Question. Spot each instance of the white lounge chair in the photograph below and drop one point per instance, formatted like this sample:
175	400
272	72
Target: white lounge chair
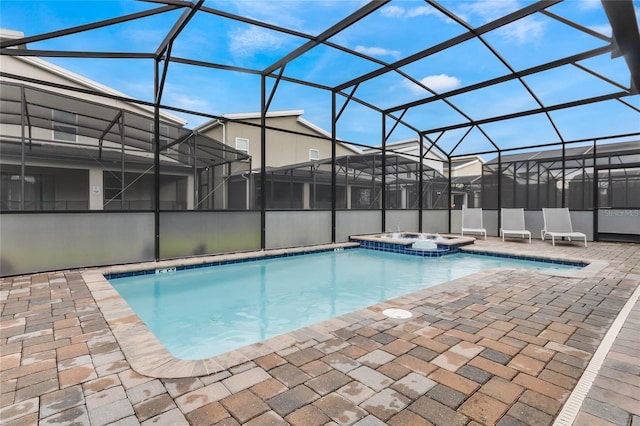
512	221
557	224
472	221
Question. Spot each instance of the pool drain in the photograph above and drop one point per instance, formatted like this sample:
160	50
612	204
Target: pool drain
397	313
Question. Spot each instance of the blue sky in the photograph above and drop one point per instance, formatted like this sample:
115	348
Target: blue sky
396	30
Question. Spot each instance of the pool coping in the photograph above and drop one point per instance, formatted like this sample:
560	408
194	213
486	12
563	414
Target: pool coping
149	357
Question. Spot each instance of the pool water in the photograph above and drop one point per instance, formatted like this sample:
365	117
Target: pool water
199	313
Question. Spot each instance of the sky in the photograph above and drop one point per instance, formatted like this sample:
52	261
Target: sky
396	30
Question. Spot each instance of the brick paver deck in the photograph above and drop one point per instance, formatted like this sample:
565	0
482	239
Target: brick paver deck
502	347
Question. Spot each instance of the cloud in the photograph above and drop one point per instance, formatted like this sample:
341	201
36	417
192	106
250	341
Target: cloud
604	29
488	10
176	98
378	51
401	12
438	83
589	4
245	42
393	12
283	13
523	31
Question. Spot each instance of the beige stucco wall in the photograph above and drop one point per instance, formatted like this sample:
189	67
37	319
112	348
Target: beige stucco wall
282	148
473	169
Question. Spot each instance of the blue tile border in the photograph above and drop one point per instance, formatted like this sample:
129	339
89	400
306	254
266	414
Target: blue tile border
400	248
223	262
405	248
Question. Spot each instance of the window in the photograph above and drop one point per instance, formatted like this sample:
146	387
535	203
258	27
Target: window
242	144
64	126
314	155
164	136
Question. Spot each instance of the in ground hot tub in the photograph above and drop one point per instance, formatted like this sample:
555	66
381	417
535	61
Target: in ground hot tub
413	243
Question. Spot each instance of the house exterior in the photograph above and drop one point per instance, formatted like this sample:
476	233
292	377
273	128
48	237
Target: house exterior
61	150
297	141
292	142
298	167
468	165
466	175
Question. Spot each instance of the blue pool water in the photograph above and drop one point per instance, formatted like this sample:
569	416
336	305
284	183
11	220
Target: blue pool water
199	313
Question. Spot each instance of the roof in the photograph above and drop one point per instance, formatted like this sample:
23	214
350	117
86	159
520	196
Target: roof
461	163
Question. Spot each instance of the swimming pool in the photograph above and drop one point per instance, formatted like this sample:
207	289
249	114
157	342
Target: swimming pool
199	313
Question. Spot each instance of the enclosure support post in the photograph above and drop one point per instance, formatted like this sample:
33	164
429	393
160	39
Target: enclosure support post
526	200
449	191
499	188
156	158
333	167
23	114
563	173
123	185
383	196
594	203
263	161
420	182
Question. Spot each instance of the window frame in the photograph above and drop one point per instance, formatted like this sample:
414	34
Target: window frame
59	127
239	139
164	138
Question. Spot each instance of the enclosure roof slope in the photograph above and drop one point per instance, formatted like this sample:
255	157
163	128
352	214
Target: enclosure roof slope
78	79
467	76
620	148
409	145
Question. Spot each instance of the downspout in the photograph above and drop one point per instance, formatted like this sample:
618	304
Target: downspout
224	142
246	176
195	174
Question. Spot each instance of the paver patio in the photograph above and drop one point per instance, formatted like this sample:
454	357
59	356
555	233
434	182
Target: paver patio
502	347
